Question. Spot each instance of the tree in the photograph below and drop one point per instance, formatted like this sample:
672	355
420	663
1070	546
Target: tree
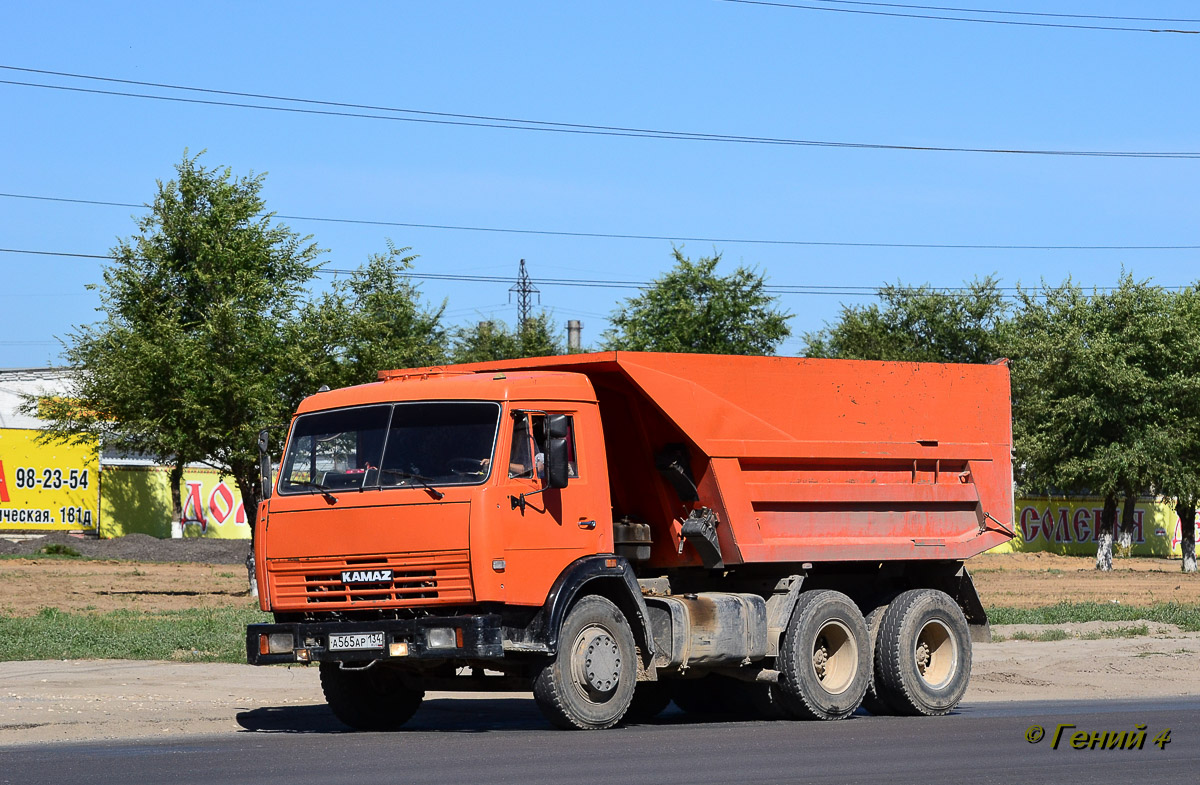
1179	472
1085	410
918	324
191	357
692	309
371	322
493	340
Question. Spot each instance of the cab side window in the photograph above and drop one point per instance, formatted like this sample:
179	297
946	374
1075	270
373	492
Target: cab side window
520	458
529	447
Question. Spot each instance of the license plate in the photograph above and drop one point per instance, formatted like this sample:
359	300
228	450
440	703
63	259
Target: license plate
348	641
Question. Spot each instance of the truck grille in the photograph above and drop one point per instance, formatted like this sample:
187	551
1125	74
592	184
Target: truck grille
417	579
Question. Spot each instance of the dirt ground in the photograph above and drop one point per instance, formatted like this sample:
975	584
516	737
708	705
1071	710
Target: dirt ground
44	702
145	573
28	585
133	547
1031	580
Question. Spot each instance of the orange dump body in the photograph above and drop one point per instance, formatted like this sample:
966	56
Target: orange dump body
806	460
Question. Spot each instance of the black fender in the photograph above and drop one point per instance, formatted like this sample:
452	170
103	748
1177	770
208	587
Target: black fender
610	577
961	587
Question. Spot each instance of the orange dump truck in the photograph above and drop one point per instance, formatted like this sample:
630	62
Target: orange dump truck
616	530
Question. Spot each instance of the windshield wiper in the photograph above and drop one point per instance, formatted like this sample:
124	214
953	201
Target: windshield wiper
329	497
419	478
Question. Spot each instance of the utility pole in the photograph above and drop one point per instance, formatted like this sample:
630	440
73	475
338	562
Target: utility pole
524	290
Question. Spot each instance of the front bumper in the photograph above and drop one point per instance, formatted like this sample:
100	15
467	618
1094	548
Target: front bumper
473	638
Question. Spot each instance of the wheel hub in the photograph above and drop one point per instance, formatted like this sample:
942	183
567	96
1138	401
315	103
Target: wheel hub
936	654
835	657
821	658
597	662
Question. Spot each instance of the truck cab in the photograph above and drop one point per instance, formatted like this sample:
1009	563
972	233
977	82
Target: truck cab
425	487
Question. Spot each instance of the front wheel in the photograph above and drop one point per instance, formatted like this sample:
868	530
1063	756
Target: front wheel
589	683
374	698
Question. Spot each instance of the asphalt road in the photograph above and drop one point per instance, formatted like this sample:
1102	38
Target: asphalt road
505	741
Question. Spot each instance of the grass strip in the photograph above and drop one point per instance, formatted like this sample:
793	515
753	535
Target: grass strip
1186	617
1044	636
218	634
193	635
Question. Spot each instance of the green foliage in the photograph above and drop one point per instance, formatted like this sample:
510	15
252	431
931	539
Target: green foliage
190	358
1134	631
208	335
1186	617
692	309
1045	636
196	635
492	340
1179	388
918	324
58	549
1086	373
370	322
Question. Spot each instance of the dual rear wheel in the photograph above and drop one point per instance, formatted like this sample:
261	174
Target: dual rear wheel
922	660
910	657
824	658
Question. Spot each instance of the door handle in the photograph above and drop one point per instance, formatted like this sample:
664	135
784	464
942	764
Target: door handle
587	524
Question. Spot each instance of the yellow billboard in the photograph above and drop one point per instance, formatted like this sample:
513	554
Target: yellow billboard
137	499
1070	526
47	486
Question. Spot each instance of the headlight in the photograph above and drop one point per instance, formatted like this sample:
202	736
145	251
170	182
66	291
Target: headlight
441	638
276	643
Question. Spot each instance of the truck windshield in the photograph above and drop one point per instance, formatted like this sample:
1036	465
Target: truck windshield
389	446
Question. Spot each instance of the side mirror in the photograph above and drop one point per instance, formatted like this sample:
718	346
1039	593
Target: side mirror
556	451
264	462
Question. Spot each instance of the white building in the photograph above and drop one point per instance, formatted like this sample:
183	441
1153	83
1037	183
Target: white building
18	382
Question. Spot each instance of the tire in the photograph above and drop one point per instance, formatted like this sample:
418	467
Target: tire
824	658
649	700
589	683
923	655
374	699
873	701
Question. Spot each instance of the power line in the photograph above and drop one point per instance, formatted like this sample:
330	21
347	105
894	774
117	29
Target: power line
1010	13
664	237
514	124
797	289
1013	22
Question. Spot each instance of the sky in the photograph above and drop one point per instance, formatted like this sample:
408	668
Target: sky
828	223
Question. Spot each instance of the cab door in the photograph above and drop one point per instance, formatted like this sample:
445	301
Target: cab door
548	528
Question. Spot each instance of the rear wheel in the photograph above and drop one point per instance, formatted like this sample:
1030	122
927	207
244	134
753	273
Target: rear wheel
824	658
374	698
923	654
873	701
589	683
